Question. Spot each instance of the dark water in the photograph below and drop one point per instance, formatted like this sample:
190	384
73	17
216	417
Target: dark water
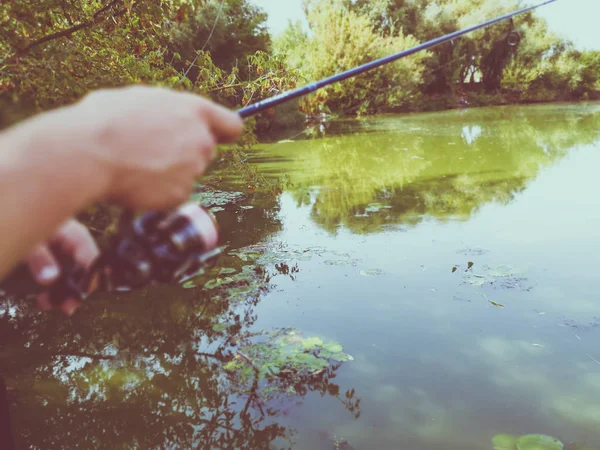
453	255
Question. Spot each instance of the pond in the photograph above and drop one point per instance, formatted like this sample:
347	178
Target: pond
421	281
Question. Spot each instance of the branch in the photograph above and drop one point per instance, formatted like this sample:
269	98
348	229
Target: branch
87	355
98	17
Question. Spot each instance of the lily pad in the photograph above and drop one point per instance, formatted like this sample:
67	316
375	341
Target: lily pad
312	342
333	347
504	442
311	362
539	442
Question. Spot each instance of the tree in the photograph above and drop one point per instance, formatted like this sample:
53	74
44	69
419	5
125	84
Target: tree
57	52
486	50
342	39
229	30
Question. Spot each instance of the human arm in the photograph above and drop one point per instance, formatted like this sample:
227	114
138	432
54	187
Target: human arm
142	147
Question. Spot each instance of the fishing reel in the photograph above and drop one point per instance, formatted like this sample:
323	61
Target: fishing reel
156	247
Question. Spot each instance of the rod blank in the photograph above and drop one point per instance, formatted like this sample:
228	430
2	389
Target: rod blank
312	87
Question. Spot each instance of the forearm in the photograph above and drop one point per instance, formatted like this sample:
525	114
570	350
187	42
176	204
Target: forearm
46	176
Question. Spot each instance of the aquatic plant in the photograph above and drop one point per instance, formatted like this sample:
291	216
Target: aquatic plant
526	442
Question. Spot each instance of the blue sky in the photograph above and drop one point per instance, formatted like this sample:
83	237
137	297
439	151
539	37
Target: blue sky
578	20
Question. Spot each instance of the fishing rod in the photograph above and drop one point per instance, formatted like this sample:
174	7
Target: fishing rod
168	247
271	102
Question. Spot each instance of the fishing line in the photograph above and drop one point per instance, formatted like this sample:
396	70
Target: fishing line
207	40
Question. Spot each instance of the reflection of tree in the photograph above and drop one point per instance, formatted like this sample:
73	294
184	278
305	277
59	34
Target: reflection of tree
397	170
162	368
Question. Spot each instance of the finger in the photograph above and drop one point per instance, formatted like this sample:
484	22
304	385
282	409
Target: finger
44	303
69	306
206	147
43	266
226	125
76	241
204	222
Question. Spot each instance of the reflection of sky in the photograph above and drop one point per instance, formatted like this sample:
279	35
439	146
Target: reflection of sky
574	19
437	366
471	133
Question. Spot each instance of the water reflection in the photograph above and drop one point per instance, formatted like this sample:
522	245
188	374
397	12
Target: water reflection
398	170
435	364
169	367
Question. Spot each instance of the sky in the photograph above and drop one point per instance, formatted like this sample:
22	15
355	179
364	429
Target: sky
577	20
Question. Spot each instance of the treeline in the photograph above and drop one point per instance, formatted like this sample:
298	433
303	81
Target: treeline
56	52
514	61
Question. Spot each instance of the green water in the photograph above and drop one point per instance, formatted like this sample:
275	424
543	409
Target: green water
453	255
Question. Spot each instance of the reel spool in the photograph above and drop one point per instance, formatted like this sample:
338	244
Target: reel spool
155	247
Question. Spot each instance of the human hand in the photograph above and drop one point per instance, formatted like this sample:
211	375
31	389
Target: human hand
152	142
75	241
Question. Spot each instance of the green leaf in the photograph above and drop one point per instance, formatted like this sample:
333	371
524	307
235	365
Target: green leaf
504	442
502	270
311	361
372	272
311	343
539	442
333	347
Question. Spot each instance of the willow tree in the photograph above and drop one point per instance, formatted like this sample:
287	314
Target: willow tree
486	50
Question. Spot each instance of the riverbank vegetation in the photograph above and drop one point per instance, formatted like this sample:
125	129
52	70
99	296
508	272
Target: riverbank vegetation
55	53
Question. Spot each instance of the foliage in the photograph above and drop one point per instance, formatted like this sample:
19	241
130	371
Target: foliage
541	67
57	52
568	75
228	30
342	39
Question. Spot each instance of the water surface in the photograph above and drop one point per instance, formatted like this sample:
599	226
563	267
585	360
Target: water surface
454	256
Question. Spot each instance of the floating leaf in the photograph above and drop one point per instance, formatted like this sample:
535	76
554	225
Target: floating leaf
454	269
312	342
333	347
502	270
477	281
539	442
226	271
496	304
504	442
469	265
190	285
340	357
311	361
337	263
372	272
